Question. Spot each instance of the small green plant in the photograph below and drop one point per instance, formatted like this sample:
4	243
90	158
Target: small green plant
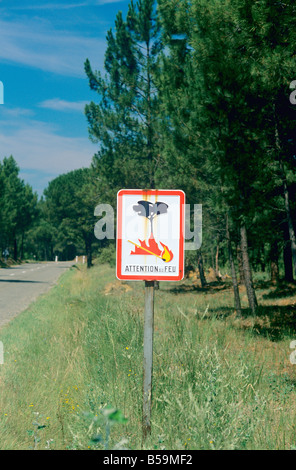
100	427
35	432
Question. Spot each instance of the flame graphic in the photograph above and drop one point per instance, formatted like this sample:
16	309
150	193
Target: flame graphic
152	249
167	255
142	249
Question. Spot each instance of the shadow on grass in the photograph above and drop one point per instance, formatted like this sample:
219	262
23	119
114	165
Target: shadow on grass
271	321
276	321
210	288
281	290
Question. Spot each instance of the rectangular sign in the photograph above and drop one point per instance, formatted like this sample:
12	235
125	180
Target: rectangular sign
150	235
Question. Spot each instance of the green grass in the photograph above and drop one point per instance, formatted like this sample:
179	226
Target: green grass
218	382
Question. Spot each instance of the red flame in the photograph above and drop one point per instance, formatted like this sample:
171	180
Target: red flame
153	249
152	246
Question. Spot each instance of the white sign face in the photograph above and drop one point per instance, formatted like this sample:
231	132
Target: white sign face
150	235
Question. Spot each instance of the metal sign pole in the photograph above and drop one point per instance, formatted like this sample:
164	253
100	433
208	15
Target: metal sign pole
148	356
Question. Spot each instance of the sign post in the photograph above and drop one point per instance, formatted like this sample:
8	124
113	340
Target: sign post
150	247
148	356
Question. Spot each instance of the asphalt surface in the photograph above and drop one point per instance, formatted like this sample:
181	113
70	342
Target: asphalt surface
21	285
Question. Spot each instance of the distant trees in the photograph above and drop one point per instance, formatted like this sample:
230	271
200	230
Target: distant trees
60	223
69	202
18	208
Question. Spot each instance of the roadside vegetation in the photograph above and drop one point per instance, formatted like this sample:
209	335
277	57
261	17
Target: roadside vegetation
72	372
194	95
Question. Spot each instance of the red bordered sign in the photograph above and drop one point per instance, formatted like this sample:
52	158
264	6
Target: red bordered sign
150	235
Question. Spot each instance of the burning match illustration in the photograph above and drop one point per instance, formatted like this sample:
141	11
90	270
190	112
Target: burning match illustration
151	210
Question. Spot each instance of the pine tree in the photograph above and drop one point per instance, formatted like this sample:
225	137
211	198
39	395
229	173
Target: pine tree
125	122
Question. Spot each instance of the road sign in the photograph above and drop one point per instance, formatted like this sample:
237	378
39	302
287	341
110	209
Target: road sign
150	246
150	235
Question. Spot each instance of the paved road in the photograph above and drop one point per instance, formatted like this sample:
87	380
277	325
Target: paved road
21	285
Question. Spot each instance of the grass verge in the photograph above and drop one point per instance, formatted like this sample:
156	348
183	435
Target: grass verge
72	372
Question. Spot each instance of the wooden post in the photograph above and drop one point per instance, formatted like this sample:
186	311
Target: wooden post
148	356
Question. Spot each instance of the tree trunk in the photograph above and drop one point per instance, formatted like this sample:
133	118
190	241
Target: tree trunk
247	270
259	260
262	260
201	269
218	275
240	264
212	257
15	249
149	118
274	262
22	246
88	249
237	303
287	255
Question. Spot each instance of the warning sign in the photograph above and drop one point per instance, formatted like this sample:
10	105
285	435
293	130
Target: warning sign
150	234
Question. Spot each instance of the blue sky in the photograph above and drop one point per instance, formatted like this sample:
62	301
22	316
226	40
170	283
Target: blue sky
43	49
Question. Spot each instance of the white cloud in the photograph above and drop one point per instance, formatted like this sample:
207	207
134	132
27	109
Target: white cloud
65	6
57	104
17	112
37	147
37	44
51	6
